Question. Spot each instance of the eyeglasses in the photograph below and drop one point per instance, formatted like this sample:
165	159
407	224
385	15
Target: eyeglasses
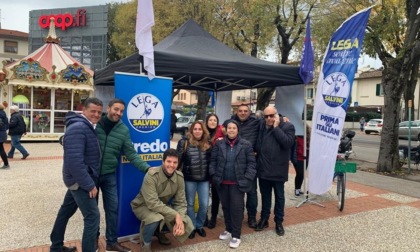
269	116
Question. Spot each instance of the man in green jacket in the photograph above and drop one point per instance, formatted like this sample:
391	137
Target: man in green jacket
114	138
161	200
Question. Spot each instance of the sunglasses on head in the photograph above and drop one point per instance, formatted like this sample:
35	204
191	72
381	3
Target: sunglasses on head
269	116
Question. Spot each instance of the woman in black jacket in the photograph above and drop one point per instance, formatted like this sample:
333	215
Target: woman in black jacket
233	169
4	125
194	152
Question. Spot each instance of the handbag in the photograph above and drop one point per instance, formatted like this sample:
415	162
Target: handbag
181	163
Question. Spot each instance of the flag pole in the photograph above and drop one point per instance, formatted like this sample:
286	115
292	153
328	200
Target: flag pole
305	161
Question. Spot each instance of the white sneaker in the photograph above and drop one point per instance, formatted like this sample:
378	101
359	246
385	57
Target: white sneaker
298	192
234	243
225	235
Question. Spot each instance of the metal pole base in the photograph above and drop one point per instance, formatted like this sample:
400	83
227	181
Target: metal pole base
308	200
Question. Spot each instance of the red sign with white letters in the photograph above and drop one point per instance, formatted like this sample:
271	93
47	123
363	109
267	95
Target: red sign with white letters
64	21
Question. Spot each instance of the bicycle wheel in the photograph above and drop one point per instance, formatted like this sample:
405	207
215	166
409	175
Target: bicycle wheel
341	190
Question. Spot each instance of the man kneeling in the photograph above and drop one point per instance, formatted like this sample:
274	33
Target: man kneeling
152	204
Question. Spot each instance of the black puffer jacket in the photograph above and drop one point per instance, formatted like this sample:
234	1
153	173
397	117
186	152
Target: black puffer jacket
17	125
195	163
244	166
249	128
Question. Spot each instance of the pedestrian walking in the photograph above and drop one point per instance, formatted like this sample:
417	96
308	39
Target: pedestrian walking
17	128
362	124
4	125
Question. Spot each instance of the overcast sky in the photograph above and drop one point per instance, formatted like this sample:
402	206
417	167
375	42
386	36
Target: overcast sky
15	13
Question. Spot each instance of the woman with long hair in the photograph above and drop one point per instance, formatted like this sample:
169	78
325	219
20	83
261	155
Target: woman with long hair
194	152
216	133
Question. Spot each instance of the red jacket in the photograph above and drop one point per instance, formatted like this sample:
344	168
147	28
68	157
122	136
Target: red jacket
219	134
299	149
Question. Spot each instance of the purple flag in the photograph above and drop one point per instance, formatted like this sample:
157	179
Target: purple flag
306	70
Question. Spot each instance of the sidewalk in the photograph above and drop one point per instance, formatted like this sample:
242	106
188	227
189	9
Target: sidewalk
381	214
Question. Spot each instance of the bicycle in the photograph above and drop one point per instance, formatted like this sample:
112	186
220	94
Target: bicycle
341	168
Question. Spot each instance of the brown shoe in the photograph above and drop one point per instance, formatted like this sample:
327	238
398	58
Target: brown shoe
162	238
117	247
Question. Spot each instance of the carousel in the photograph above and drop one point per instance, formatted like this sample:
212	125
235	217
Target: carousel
46	85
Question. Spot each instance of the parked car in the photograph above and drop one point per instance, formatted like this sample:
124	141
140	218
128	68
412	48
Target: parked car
183	123
414	131
374	125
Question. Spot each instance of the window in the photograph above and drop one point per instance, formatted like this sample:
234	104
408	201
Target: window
10	46
310	93
238	98
254	95
379	90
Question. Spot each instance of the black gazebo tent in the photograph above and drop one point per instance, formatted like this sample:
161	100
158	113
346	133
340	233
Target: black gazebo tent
198	61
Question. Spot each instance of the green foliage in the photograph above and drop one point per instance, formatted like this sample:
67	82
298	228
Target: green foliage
123	34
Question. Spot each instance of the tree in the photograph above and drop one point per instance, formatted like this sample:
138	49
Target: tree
400	72
397	45
257	27
112	54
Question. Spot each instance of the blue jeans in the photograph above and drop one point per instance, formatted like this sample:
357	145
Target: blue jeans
148	232
252	200
108	186
202	188
16	144
89	207
266	187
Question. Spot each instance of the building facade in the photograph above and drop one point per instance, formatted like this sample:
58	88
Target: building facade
82	32
13	46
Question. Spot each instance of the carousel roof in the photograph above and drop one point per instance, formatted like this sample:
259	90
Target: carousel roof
50	55
50	66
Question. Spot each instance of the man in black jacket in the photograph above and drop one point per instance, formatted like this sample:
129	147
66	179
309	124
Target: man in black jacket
274	144
248	130
17	128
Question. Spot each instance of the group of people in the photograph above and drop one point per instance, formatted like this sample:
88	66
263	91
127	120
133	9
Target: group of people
16	127
227	158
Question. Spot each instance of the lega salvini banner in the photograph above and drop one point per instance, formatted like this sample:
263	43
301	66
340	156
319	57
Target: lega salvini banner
332	99
147	115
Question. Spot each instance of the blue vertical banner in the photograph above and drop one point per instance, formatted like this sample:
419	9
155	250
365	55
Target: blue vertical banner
332	99
306	69
148	116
